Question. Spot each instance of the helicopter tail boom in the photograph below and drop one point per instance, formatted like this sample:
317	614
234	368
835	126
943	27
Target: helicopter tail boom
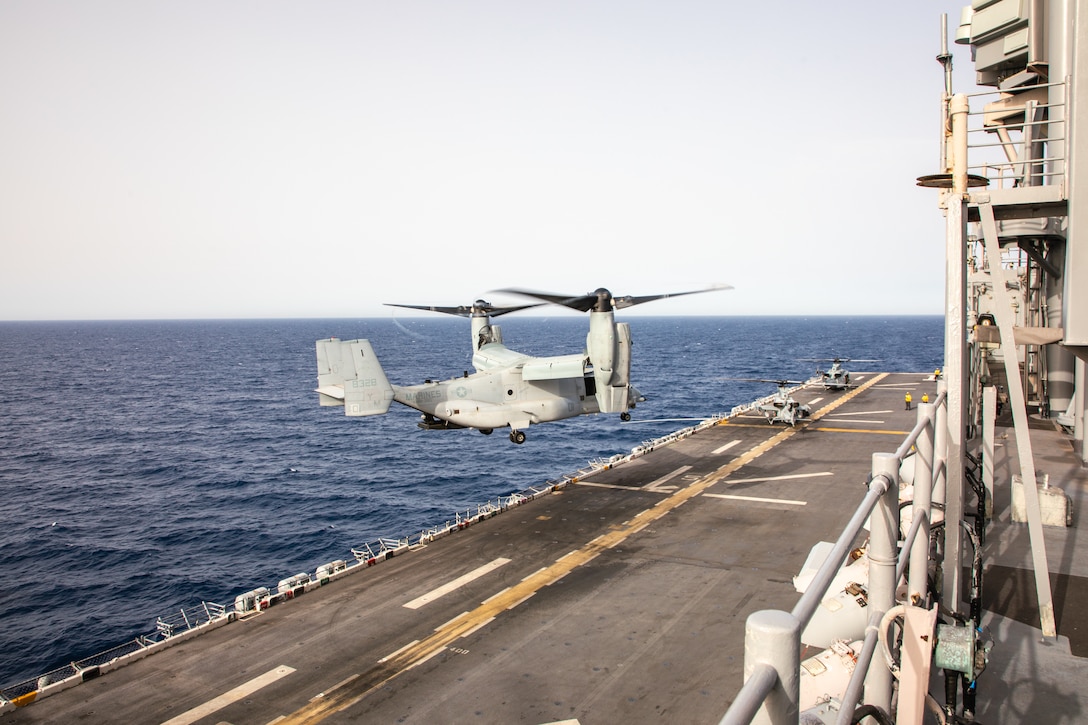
349	374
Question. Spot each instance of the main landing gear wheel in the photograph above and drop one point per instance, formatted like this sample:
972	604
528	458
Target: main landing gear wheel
516	436
486	431
625	417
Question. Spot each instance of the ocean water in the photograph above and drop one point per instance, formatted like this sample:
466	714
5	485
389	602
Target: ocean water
146	466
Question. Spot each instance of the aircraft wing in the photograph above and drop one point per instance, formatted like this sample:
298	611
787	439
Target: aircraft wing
553	368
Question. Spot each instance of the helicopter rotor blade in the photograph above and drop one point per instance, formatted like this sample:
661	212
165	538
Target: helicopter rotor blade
603	300
629	301
582	303
480	307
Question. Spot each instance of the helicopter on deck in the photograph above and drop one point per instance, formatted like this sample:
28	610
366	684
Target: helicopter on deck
509	388
836	377
781	407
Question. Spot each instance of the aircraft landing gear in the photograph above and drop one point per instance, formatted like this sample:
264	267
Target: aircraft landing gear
625	416
516	436
486	431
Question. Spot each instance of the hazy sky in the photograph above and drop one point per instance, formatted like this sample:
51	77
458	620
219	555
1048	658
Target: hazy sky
316	159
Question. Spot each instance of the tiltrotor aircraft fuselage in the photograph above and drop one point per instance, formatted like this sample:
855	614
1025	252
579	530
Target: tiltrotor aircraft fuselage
509	389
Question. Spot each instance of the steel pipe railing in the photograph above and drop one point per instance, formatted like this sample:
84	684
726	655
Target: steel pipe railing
770	693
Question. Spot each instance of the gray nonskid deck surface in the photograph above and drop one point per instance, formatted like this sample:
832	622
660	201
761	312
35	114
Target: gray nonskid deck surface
1030	679
619	599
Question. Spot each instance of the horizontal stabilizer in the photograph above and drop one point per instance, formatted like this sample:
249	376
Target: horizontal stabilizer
349	374
333	393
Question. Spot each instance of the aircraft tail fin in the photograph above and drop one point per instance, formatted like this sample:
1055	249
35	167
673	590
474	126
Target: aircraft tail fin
349	374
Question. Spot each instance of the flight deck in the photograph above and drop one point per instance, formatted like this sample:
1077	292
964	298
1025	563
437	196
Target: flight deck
619	597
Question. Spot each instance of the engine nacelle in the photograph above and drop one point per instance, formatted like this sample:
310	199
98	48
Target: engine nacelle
609	348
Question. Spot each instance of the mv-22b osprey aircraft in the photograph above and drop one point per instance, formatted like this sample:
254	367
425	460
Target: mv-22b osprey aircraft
508	389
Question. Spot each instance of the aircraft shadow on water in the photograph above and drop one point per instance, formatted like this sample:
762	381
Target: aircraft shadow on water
508	388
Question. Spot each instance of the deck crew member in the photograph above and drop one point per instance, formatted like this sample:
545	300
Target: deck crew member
907	399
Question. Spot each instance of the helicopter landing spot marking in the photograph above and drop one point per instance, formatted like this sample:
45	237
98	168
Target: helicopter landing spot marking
456	584
658	486
726	447
757	499
814	401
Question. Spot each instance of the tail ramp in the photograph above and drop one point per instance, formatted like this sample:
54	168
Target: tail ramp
349	374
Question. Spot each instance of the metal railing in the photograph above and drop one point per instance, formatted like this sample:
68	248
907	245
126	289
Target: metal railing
772	644
1018	139
183	621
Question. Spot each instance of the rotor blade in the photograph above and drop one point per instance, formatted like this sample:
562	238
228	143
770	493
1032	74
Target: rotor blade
582	303
497	311
629	301
587	302
467	310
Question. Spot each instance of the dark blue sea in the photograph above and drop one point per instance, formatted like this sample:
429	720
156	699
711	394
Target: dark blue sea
146	466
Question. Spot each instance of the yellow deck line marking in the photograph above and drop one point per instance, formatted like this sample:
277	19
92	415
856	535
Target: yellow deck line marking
335	687
394	654
417	652
478	626
495	595
456	584
230	696
787	501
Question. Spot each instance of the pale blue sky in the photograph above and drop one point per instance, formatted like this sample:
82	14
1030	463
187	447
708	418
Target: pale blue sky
316	159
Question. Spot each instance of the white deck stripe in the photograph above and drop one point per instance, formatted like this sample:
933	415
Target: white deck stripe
778	478
837	419
788	502
863	412
726	447
656	484
230	696
456	584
